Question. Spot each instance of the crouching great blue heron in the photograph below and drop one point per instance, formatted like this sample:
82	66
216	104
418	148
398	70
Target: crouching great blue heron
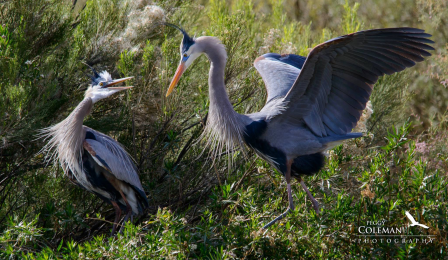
93	160
312	103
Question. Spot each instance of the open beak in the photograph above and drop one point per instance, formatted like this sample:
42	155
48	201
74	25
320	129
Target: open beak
176	78
116	81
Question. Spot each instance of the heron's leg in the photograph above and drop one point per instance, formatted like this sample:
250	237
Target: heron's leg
128	212
313	200
291	202
117	216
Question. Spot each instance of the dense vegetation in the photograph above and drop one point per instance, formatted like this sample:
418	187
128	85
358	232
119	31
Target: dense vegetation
199	209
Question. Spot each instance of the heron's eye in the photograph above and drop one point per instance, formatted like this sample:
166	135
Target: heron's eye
185	55
101	84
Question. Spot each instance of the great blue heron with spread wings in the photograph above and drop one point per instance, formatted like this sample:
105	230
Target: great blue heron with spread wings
93	160
312	103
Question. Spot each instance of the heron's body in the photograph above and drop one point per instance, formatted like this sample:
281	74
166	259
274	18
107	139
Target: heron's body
95	161
260	130
257	137
312	103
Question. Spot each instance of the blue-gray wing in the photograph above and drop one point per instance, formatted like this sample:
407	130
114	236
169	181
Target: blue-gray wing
279	72
109	154
337	78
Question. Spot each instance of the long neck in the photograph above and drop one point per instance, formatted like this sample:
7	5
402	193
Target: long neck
219	100
66	138
224	125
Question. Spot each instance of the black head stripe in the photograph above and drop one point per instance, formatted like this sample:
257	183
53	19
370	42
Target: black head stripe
187	41
95	77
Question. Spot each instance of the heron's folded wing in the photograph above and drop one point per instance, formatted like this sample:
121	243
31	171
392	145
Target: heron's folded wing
337	78
278	72
111	155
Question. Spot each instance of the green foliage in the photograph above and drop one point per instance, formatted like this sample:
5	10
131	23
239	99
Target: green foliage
389	100
278	17
201	210
18	236
126	62
350	21
8	59
148	57
397	137
99	24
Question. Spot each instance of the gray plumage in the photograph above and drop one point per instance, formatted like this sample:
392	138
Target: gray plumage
312	103
116	159
93	160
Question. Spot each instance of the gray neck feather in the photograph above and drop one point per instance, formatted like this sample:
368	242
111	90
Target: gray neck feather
224	127
65	139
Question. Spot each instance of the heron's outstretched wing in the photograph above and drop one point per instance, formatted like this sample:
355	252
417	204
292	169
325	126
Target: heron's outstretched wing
278	72
110	154
337	78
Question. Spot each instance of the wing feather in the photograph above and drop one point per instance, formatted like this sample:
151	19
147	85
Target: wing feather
278	72
337	77
111	155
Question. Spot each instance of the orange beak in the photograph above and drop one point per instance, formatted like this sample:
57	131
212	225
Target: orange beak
121	88
116	81
176	78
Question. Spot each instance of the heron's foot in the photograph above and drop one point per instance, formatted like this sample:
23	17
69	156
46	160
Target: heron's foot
313	200
277	219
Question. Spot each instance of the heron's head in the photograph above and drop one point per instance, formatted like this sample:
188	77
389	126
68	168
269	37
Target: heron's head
189	51
102	85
